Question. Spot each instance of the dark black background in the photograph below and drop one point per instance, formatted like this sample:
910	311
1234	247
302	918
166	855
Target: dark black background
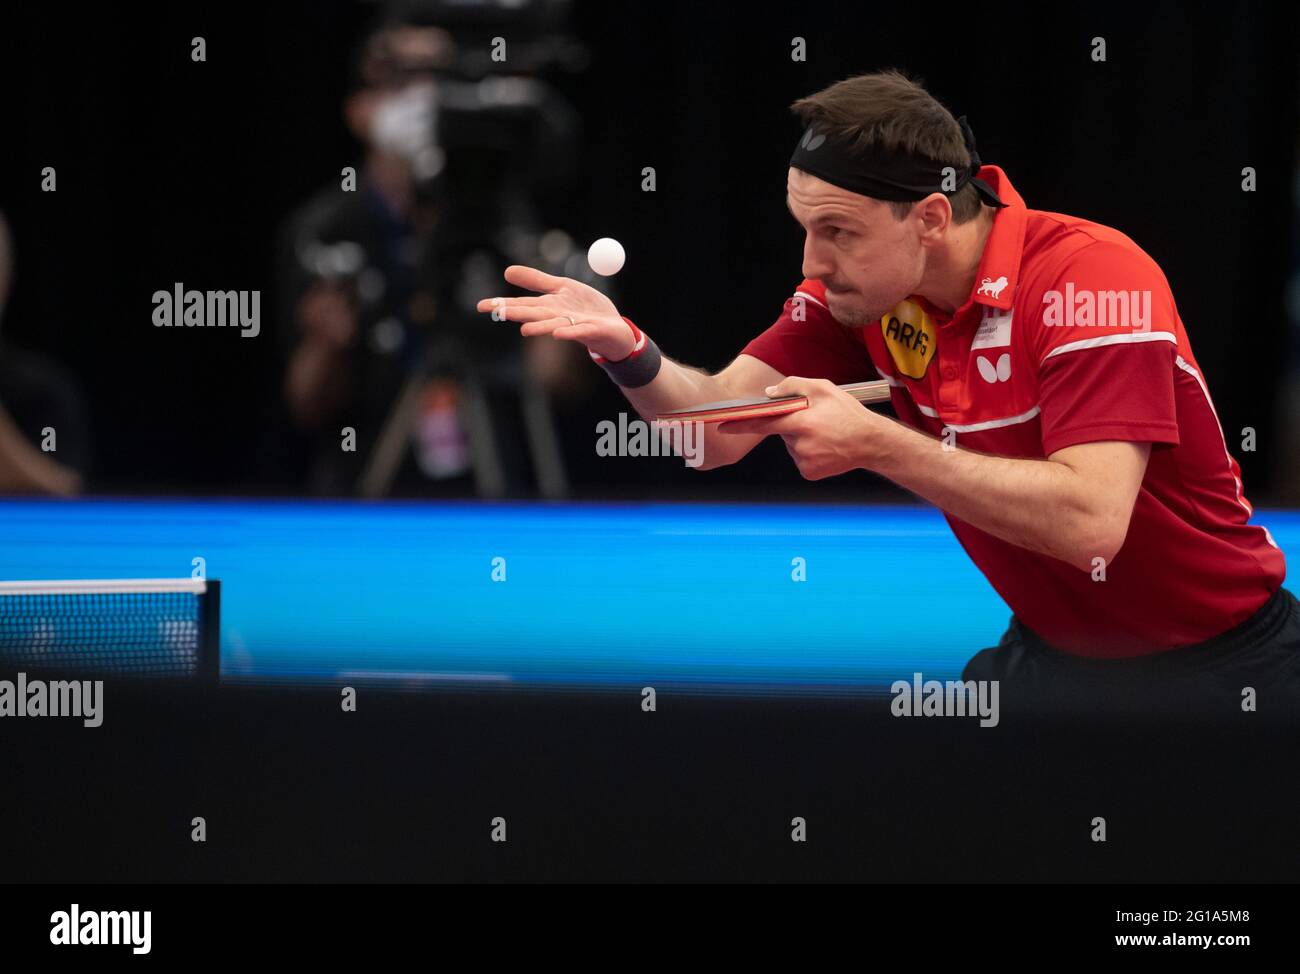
170	171
593	788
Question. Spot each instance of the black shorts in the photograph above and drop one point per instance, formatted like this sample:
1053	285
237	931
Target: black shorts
1256	663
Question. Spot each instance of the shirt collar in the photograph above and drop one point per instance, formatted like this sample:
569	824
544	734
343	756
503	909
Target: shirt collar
999	268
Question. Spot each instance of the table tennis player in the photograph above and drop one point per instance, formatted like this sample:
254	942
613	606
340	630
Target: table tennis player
1046	395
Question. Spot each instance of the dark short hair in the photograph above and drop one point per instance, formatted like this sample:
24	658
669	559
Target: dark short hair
887	110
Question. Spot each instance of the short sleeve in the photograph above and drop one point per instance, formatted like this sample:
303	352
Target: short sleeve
807	341
1107	347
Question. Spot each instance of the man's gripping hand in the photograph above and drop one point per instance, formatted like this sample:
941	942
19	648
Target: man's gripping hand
833	435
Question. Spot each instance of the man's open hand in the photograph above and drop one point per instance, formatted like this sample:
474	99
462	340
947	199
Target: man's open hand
565	309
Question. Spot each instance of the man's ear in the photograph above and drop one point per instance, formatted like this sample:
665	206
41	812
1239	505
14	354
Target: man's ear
934	213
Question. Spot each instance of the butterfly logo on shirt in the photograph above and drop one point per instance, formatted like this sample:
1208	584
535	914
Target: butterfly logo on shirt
989	372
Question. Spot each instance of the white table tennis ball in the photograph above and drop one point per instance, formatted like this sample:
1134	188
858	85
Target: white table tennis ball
606	256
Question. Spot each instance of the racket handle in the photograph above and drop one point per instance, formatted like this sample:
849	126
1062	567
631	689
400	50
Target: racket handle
877	391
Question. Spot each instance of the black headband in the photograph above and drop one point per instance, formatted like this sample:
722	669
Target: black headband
892	176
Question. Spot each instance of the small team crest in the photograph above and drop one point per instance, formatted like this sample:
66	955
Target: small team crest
910	336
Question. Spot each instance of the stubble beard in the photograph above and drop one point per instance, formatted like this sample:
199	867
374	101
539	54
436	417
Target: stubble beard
854	316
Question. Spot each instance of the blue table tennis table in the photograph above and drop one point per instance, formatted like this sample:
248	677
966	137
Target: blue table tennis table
548	594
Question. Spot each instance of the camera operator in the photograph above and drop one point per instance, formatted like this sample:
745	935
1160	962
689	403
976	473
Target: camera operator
368	282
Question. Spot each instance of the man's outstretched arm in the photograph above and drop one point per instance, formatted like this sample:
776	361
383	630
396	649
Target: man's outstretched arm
597	325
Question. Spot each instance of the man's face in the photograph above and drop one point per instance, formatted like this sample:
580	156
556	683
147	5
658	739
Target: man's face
868	260
399	63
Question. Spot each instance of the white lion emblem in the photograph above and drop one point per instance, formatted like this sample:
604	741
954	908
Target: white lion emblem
991	287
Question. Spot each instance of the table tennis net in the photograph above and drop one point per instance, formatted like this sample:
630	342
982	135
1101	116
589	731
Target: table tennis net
135	628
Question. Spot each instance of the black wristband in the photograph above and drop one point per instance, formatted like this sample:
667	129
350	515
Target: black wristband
639	368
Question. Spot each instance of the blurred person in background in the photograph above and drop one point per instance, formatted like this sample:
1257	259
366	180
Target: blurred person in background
44	431
377	285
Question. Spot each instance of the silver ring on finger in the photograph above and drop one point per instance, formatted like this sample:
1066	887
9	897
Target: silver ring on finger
571	321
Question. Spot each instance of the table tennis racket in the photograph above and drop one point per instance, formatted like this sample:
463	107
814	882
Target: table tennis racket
733	409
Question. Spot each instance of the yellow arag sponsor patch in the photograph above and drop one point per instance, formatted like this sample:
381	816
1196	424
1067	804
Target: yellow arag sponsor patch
910	337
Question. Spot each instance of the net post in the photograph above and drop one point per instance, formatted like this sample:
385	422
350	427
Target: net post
209	661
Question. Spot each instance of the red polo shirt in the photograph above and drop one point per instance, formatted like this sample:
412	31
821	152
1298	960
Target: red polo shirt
1070	335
